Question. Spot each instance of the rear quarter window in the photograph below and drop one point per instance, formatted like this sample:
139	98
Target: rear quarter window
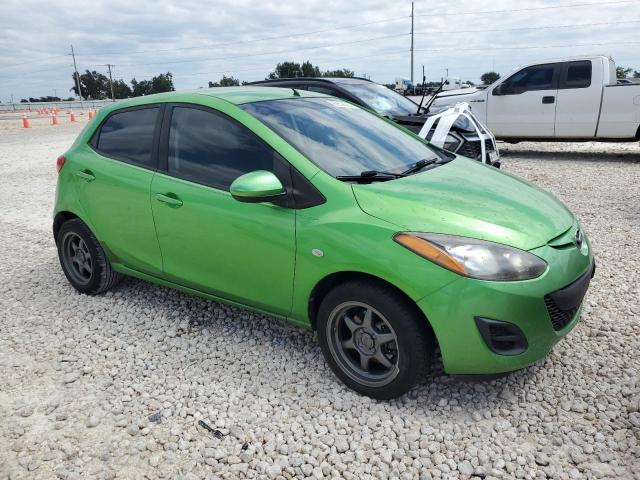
576	75
128	136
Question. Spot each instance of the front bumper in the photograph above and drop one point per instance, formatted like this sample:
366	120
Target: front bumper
453	312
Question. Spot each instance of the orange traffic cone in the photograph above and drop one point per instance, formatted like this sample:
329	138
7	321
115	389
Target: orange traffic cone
54	119
72	117
90	114
25	121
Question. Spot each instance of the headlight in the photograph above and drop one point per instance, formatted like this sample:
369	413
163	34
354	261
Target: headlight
472	257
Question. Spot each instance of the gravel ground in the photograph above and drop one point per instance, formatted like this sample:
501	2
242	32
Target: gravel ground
114	386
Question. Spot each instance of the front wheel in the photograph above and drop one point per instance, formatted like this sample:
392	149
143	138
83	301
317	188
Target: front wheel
83	260
374	339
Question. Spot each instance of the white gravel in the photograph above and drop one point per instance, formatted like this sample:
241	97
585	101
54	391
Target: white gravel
114	386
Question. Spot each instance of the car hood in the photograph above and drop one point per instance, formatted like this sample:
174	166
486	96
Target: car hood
467	198
458	92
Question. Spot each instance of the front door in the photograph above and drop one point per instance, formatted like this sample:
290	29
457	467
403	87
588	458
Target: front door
114	178
524	105
209	241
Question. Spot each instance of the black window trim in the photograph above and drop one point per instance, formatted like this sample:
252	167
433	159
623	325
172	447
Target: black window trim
288	201
93	142
554	81
565	71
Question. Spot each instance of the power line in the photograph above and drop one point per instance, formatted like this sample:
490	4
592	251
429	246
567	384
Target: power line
528	9
524	47
263	39
539	27
371	39
352	26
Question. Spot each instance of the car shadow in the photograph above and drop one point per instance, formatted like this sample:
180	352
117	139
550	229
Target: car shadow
470	392
570	156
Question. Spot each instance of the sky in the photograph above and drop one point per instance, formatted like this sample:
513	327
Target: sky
200	41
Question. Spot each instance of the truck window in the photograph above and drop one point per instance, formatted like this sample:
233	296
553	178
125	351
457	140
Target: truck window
536	77
576	74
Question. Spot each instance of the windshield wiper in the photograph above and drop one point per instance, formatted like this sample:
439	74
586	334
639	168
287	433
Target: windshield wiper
369	176
419	165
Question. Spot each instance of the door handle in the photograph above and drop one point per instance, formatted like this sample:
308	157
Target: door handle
549	99
170	200
85	175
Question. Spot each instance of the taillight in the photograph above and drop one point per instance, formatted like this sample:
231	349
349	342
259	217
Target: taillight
59	163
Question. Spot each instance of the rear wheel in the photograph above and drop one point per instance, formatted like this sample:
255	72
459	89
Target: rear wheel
83	260
374	339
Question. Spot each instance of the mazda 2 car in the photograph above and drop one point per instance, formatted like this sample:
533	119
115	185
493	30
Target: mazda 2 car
316	211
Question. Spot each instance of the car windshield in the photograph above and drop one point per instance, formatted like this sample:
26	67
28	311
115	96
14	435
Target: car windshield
380	98
340	138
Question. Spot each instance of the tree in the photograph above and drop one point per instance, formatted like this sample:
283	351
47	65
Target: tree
94	85
286	70
308	70
489	77
121	89
225	82
636	74
470	83
140	88
622	72
158	84
48	98
162	83
343	72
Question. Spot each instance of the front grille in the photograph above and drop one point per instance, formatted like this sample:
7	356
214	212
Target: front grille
559	318
563	304
470	149
473	148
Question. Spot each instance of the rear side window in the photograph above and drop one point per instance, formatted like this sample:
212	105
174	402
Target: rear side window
211	149
128	136
576	75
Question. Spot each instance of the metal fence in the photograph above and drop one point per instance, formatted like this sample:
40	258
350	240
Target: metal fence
62	105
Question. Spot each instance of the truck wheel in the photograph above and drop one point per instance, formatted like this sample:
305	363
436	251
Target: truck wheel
374	339
83	260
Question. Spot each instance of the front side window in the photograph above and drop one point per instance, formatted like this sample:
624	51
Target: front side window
128	136
211	149
341	138
537	77
577	75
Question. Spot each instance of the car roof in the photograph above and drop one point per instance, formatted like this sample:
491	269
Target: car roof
235	95
337	80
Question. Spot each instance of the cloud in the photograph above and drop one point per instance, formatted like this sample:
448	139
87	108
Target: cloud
199	41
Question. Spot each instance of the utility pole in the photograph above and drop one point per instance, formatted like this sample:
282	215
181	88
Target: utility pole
411	43
447	70
13	105
77	76
113	97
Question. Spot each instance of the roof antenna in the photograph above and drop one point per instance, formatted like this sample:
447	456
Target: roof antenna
295	92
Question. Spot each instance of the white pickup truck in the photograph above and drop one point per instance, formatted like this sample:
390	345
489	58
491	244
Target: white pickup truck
570	99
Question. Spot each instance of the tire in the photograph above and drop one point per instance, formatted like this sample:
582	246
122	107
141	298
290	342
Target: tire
395	330
83	260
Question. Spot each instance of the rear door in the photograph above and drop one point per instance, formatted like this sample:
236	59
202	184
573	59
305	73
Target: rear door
211	242
114	182
524	105
579	93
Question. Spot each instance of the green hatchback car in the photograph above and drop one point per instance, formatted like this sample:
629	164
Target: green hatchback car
313	210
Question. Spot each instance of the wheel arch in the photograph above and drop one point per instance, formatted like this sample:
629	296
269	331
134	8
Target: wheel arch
60	218
326	284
